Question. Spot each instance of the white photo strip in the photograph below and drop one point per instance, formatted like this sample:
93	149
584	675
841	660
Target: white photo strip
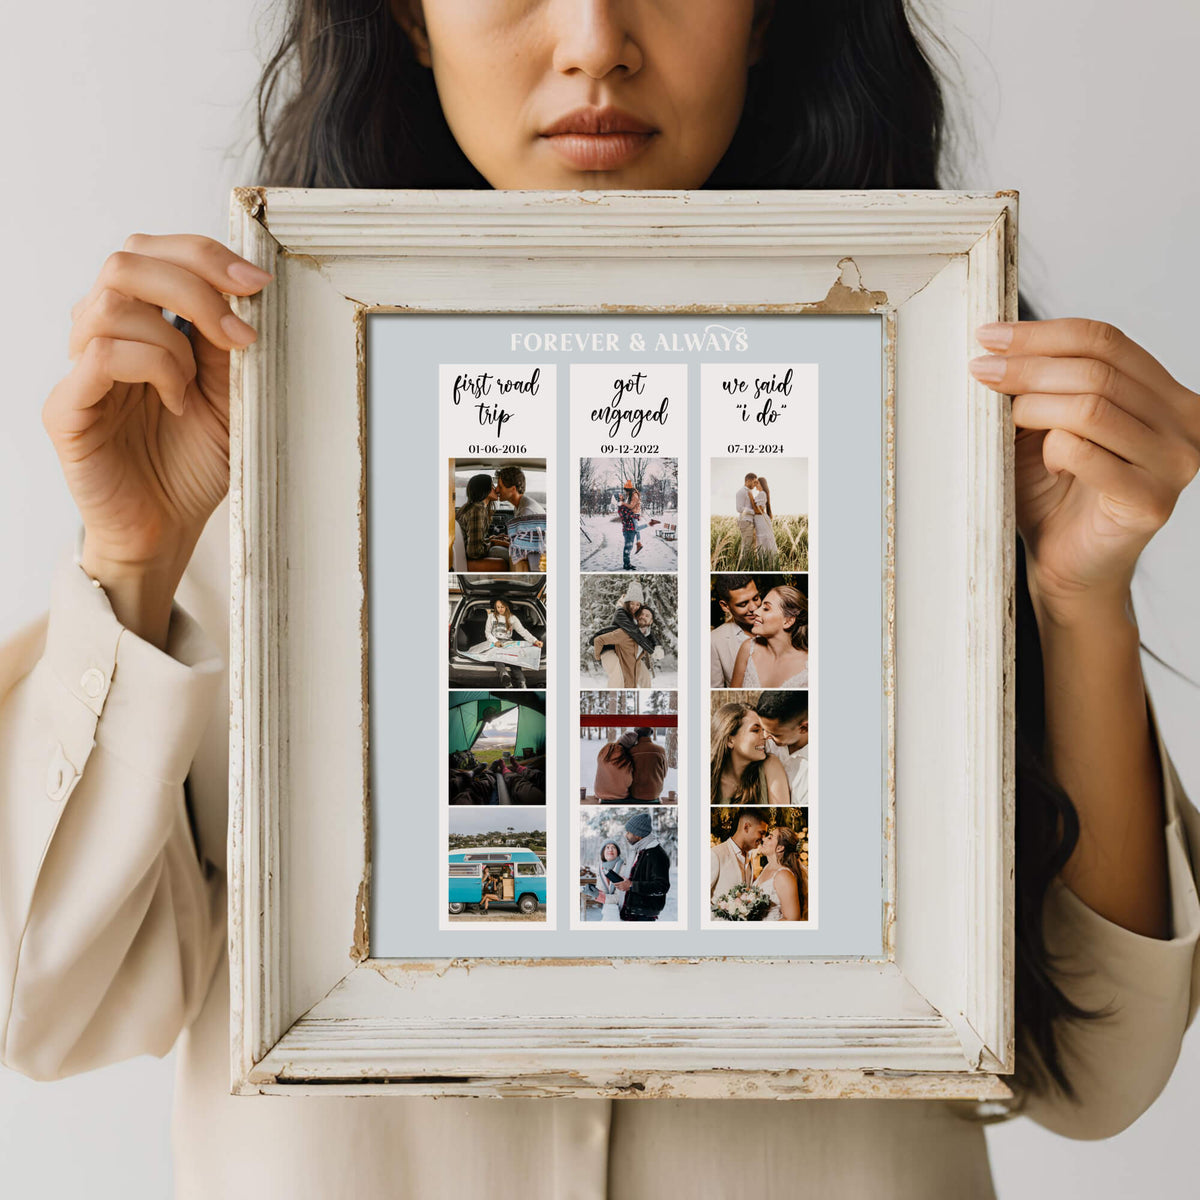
629	795
761	631
496	444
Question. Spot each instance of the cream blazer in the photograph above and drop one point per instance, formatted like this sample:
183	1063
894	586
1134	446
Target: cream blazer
112	944
725	871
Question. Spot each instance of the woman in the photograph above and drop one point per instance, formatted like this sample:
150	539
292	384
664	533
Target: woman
504	626
783	879
490	889
743	771
776	654
502	629
764	528
611	863
614	768
475	516
635	504
450	93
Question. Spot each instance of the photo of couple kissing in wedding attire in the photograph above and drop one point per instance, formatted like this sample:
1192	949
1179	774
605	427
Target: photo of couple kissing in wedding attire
628	865
759	522
758	864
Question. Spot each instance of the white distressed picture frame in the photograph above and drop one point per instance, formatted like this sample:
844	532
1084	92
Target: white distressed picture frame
311	1012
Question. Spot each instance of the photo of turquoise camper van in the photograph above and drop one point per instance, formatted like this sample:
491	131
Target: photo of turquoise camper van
497	877
497	865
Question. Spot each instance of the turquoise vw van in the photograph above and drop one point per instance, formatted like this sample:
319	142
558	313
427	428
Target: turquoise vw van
520	873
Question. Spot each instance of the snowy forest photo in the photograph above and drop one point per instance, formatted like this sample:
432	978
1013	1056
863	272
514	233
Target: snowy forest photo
626	710
600	598
602	487
600	826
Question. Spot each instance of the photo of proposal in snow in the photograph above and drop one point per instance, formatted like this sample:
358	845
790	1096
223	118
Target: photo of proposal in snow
628	514
759	514
629	631
497	748
629	865
628	748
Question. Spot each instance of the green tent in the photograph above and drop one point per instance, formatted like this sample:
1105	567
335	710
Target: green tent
471	711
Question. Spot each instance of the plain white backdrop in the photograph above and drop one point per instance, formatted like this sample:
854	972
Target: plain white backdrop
121	117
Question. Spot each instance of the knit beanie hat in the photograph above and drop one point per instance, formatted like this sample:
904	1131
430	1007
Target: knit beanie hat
633	593
628	740
639	825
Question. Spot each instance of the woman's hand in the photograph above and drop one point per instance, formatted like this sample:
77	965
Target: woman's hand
141	422
1106	441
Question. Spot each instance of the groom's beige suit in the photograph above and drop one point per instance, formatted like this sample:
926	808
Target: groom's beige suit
728	867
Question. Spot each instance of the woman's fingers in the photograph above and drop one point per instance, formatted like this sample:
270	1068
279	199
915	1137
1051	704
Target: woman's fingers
1076	337
1017	375
103	363
1135	497
165	285
1101	421
206	261
114	315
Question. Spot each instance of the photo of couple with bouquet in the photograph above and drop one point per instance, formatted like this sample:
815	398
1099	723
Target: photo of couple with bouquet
758	864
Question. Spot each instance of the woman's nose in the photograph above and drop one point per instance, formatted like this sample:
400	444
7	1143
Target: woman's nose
595	37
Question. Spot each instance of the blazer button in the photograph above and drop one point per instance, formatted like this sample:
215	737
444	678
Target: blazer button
60	775
93	683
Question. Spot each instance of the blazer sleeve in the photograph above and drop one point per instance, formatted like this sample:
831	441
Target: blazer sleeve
110	927
1147	990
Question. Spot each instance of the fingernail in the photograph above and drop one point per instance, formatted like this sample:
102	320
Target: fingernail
247	274
237	331
988	369
996	336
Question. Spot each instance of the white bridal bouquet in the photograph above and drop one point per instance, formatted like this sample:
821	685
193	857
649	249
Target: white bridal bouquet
743	902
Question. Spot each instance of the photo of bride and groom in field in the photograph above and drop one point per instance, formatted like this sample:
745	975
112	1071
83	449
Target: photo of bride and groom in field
759	523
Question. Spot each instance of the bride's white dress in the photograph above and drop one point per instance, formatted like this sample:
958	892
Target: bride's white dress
763	528
751	680
775	912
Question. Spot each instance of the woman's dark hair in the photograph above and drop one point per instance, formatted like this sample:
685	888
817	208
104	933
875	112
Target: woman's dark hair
618	754
479	487
843	97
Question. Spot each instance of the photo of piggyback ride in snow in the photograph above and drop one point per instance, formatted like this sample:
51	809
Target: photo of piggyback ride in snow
628	514
629	631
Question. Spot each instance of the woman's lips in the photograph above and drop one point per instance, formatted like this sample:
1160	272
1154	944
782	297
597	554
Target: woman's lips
599	139
598	151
